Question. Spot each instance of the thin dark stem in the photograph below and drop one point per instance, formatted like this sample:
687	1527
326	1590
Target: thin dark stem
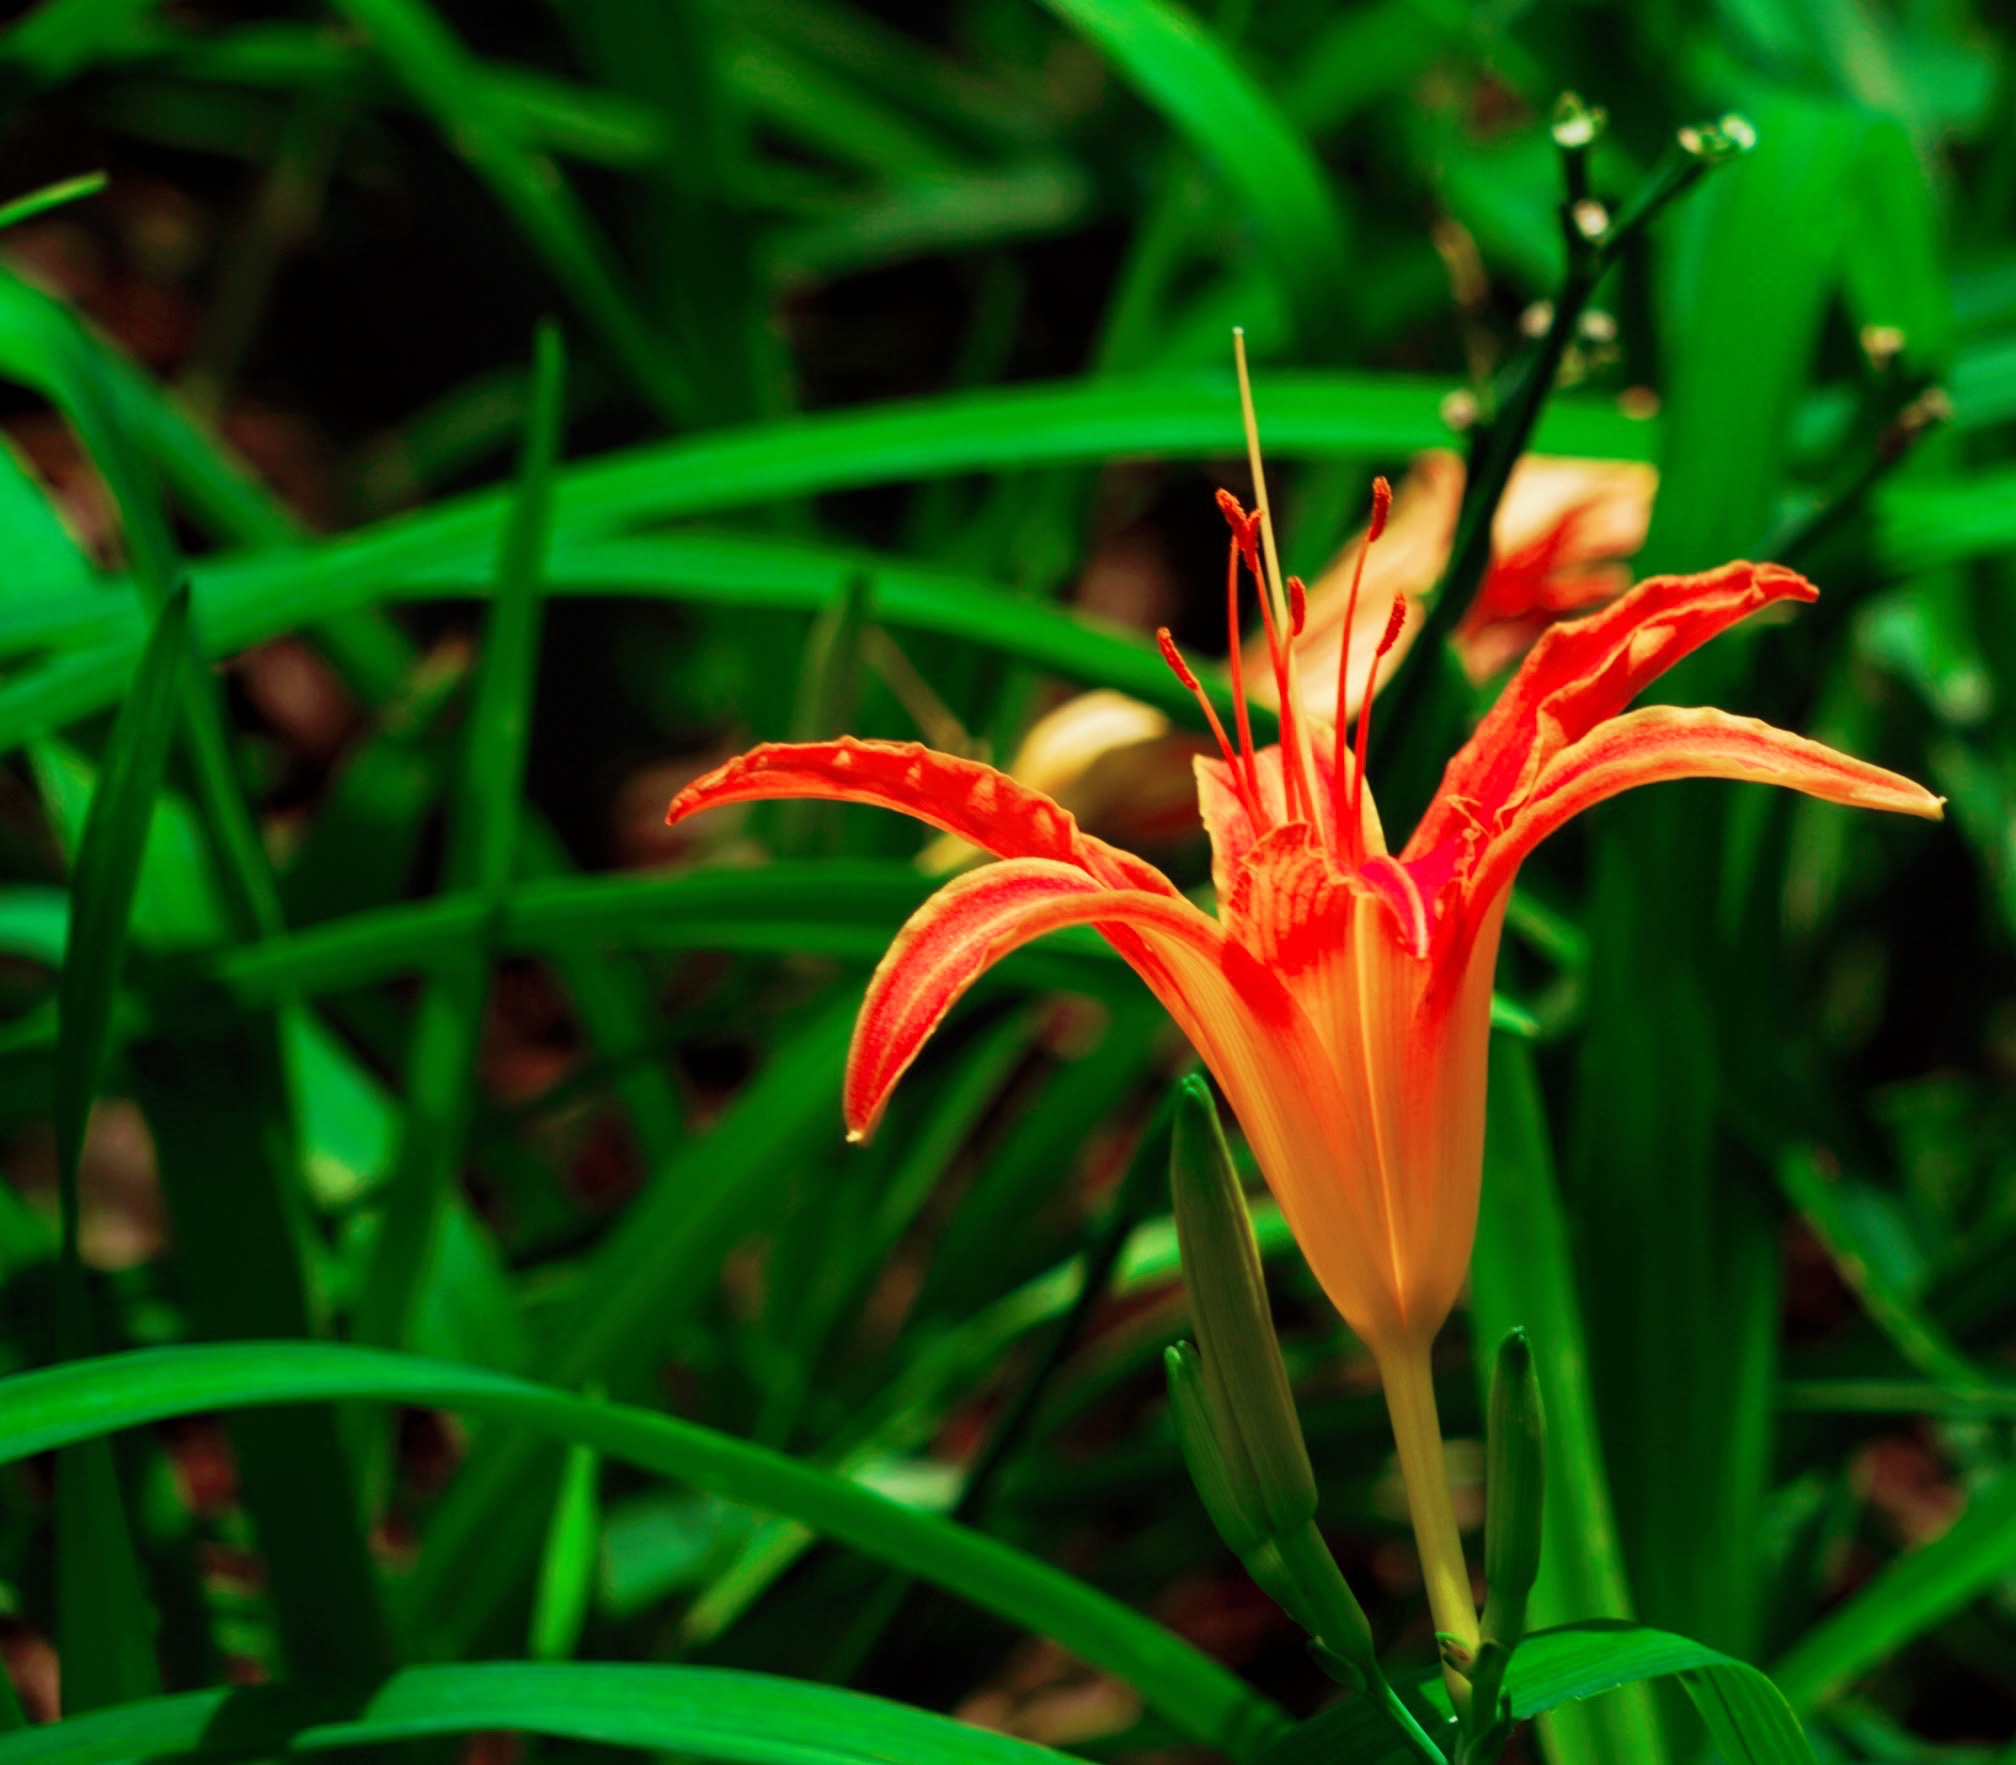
1594	244
1894	445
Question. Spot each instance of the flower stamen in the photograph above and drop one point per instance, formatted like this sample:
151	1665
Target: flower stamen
1394	621
1349	844
1183	672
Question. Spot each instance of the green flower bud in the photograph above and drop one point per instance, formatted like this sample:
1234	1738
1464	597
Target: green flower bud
1228	1299
1514	1482
1218	1466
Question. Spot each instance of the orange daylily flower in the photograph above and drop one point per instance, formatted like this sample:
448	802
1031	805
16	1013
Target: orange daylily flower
1341	994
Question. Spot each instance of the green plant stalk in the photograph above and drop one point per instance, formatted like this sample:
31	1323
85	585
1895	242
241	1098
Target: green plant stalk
1341	1624
1409	1382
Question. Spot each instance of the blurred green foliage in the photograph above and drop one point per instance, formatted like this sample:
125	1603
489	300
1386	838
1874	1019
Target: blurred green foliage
896	384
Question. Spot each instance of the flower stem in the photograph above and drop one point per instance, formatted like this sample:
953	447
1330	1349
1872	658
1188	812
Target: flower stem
1410	1401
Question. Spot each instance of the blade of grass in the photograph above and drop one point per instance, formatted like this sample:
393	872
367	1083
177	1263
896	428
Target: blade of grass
432	62
482	843
1184	72
1678	1255
1522	1274
567	1565
41	343
218	1107
1915	1334
1910	1595
701	1712
80	1400
58	195
1748	1715
247	599
103	1625
656	1268
700	244
145	526
101	900
66	36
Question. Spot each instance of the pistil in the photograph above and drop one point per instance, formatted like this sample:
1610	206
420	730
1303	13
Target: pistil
1297	768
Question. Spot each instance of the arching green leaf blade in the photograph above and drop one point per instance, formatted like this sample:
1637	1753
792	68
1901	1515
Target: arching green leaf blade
60	1405
707	1713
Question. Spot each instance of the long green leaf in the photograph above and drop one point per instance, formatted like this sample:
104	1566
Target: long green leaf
1678	1260
649	1275
107	873
45	345
442	75
81	1400
245	600
482	844
1911	1595
1748	1716
102	1621
1522	1275
1188	75
699	1712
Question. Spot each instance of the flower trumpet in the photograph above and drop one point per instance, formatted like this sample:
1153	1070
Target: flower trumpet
1341	993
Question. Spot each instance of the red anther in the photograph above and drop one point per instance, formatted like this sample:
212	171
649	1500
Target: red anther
1181	669
1174	657
1382	506
1298	606
1394	621
1245	530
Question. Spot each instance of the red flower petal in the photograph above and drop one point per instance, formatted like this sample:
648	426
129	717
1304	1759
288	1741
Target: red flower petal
1581	673
962	797
1663	741
966	928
